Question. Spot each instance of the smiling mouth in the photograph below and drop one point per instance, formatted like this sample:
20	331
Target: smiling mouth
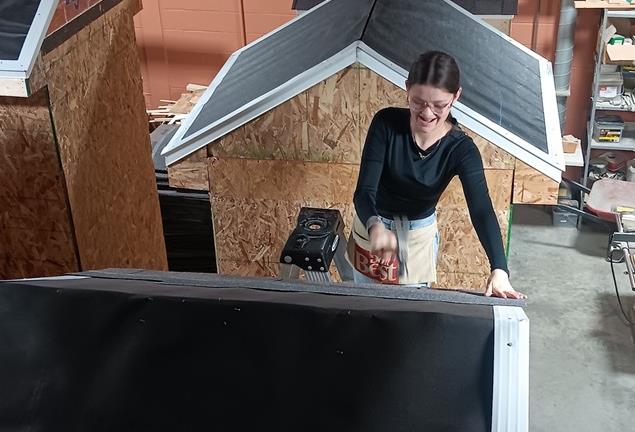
424	121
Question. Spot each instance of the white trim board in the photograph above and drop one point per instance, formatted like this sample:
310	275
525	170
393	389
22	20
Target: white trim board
20	69
14	87
510	401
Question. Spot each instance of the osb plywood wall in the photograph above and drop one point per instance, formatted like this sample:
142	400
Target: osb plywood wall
98	112
306	152
35	229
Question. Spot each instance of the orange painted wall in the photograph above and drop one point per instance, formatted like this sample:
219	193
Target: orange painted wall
67	10
542	39
188	41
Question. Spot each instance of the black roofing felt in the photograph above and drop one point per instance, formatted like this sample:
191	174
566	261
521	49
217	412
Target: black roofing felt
478	7
16	17
282	56
500	81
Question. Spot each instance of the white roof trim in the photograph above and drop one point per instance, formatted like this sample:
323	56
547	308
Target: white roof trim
510	404
552	118
21	69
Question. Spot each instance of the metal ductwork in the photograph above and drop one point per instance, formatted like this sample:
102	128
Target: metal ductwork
564	56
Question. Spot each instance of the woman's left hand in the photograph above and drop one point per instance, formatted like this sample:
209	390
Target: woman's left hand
498	286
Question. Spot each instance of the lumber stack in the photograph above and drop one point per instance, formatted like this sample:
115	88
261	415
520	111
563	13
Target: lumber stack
174	111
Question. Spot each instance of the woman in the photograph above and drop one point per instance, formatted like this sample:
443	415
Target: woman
409	157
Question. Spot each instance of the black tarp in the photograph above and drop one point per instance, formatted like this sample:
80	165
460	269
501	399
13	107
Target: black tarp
188	232
16	17
101	354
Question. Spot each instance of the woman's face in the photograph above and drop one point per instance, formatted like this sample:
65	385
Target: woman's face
429	106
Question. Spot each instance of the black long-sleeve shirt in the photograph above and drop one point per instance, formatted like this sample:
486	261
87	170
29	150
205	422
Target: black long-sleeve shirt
395	179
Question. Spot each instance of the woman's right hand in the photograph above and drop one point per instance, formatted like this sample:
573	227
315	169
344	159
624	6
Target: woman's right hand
383	243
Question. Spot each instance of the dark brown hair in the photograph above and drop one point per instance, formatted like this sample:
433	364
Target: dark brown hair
437	69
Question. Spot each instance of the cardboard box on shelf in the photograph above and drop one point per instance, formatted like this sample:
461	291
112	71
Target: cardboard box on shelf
570	143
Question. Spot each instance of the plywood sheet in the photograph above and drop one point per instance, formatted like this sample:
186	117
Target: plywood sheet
280	133
460	249
499	183
99	115
320	125
35	227
256	230
376	93
282	180
333	118
533	187
475	282
189	175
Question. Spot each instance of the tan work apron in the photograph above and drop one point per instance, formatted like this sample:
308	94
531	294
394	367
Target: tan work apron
416	261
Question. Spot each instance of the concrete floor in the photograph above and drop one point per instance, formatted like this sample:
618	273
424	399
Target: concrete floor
582	361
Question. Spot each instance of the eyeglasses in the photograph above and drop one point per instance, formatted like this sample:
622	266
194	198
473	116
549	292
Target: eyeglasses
436	108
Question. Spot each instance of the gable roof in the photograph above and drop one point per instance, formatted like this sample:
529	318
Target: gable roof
23	25
508	90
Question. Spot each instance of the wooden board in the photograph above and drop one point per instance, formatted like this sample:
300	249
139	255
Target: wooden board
319	125
256	230
599	4
376	93
460	249
190	172
188	175
475	282
333	118
502	25
282	180
280	133
36	237
532	187
101	124
499	183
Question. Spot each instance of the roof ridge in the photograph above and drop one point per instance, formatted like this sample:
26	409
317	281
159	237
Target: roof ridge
370	14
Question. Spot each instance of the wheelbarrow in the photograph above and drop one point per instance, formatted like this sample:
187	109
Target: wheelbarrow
605	197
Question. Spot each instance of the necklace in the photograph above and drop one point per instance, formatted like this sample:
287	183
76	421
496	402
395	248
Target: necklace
420	152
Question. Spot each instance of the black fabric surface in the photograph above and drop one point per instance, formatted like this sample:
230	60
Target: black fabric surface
108	354
394	180
500	81
16	17
206	280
